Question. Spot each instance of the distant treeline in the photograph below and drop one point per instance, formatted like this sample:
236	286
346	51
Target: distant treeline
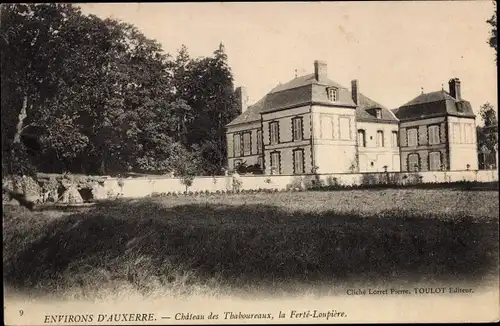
88	95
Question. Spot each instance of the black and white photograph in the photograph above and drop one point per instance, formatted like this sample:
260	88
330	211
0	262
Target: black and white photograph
249	162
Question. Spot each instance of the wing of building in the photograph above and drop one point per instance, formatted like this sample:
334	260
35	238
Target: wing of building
438	131
312	124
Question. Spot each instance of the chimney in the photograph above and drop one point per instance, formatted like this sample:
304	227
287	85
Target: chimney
241	98
320	72
455	90
355	91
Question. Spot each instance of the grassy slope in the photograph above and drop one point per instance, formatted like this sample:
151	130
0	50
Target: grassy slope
260	241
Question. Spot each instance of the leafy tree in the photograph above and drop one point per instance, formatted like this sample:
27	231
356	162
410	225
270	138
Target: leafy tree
83	94
207	86
493	33
487	135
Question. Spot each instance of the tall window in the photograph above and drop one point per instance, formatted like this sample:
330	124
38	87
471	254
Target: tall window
380	138
345	128
247	143
274	132
412	137
456	133
259	141
237	145
413	162
326	126
298	161
332	94
468	134
297	129
361	138
434	161
394	139
275	163
433	135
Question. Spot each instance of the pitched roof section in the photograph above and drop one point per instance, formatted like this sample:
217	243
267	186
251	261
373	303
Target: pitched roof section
434	104
302	81
304	90
365	112
251	114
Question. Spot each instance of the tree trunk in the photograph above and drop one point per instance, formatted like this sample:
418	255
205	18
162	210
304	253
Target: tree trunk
22	115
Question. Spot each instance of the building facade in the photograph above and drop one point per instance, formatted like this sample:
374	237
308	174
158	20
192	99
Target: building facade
312	124
438	132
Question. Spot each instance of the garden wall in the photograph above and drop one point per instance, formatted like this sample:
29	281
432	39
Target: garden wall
146	186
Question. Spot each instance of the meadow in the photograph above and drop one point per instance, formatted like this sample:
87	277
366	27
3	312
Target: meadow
285	243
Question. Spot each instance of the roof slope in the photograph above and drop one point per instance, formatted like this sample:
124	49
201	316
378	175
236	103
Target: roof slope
434	104
304	90
365	113
251	114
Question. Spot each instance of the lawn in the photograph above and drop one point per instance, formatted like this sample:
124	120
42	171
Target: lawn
275	243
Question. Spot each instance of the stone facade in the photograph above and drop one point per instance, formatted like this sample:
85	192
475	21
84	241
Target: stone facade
343	131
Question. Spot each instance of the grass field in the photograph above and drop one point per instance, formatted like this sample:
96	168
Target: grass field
279	243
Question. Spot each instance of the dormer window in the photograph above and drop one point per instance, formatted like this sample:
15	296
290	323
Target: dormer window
378	113
332	94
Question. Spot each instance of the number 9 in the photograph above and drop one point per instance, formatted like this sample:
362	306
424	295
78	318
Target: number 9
21	312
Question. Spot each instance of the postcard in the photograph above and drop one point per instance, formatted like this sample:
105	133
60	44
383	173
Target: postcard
250	163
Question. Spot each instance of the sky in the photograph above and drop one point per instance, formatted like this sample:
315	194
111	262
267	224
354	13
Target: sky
394	49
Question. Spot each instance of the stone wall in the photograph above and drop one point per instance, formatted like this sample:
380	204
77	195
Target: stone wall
110	188
147	186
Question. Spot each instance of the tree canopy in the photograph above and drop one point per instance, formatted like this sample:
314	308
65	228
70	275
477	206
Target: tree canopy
89	95
493	33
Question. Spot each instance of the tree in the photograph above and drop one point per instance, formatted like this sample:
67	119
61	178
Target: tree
493	33
488	115
487	136
207	86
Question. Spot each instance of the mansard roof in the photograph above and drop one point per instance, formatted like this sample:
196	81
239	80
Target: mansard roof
305	90
433	104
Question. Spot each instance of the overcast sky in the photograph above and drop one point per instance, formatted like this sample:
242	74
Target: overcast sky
393	48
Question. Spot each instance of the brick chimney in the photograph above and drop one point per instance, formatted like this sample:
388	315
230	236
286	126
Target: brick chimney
355	91
320	70
455	90
241	98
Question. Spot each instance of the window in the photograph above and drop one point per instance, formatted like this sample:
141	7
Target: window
378	113
345	128
433	135
332	94
413	162
297	129
259	141
326	126
412	137
394	139
298	161
275	163
361	138
434	161
468	134
274	132
237	145
456	133
247	143
380	138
